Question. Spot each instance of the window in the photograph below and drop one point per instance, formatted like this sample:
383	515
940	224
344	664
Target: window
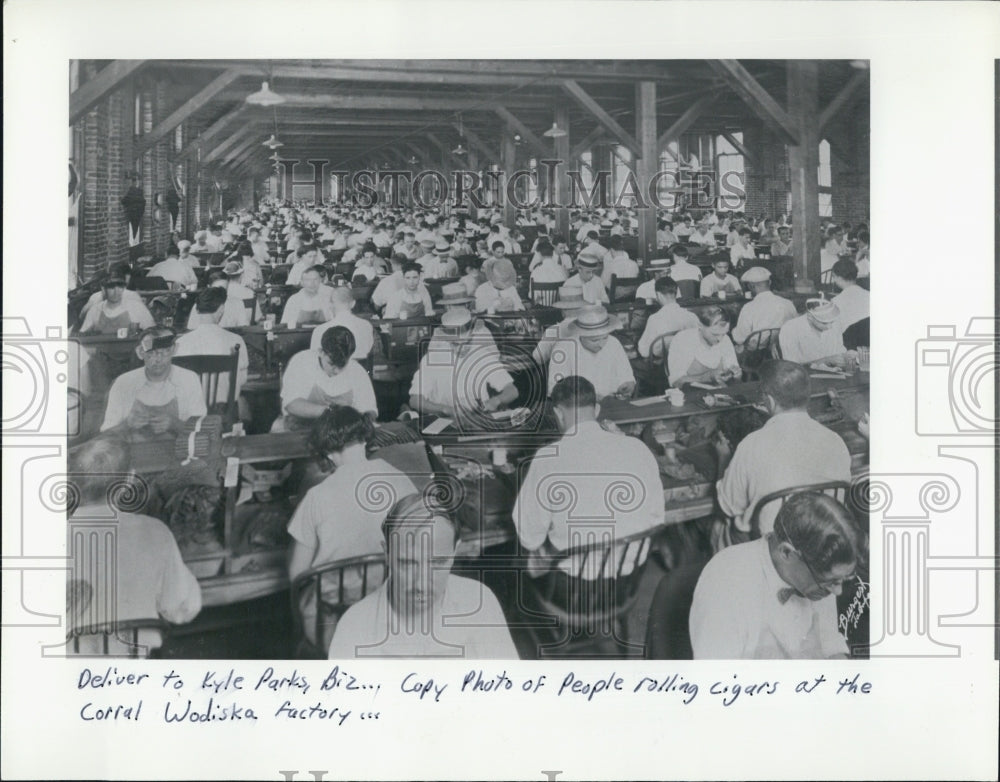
179	138
825	179
825	205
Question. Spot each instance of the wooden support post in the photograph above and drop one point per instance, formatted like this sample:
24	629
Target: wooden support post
507	163
562	178
647	165
803	110
190	106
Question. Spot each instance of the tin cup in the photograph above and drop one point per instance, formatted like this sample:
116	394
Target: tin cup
722	295
676	397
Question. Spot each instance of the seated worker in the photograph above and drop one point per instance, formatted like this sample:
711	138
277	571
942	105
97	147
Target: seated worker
201	242
413	300
427	257
158	397
365	269
720	280
442	264
252	277
570	301
151	580
460	245
310	305
769	231
815	336
208	338
319	536
790	450
588	262
684	228
422	609
259	246
184	254
214	240
704	354
681	269
460	369
862	258
342	303
499	292
118	271
306	257
599	460
656	268
703	236
548	268
665	236
317	379
594	355
765	310
586	227
593	247
670	319
618	263
389	285
177	273
834	245
776	597
408	247
116	309
853	301
742	252
783	244
472	274
235	312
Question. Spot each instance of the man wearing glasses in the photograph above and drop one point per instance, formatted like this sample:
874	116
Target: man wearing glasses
776	597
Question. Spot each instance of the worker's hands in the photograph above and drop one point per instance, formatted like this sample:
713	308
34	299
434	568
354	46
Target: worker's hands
137	418
161	422
625	390
492	404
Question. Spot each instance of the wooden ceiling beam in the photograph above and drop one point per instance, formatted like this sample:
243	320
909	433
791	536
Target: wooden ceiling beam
749	156
398	102
757	98
210	132
684	122
476	141
520	127
578	94
83	98
192	105
587	142
843	99
229	142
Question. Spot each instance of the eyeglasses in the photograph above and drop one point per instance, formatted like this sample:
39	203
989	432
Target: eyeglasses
828	585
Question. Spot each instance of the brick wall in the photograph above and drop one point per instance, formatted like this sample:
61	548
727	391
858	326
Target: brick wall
767	179
851	176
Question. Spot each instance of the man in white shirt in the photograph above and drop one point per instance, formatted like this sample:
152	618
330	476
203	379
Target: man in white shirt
776	597
311	305
742	249
587	264
316	379
210	339
427	257
815	336
423	610
703	236
549	269
656	268
440	264
618	263
361	490
782	246
592	461
665	237
587	227
259	246
720	281
115	308
790	450
213	241
499	292
765	310
595	355
704	354
570	301
412	300
853	301
176	272
151	580
408	247
681	269
158	397
459	371
306	256
342	303
670	319
389	285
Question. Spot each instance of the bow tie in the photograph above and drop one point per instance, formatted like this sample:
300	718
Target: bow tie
785	593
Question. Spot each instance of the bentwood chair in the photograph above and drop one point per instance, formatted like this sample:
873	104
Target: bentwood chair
839	490
623	288
758	348
135	639
668	635
210	370
688	289
544	293
321	595
587	595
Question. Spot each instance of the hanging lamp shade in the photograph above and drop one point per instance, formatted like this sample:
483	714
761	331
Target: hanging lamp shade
264	96
459	150
273	143
554	132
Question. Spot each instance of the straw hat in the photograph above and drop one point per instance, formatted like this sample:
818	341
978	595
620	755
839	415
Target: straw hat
455	325
594	321
756	274
456	293
570	298
442	247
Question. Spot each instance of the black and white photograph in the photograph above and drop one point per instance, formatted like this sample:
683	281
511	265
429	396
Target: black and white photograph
485	390
471	359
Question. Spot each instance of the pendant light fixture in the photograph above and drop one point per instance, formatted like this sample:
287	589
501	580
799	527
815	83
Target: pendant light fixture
459	150
554	132
264	96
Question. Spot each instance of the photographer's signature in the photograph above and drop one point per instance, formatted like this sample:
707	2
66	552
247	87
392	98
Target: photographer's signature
850	618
